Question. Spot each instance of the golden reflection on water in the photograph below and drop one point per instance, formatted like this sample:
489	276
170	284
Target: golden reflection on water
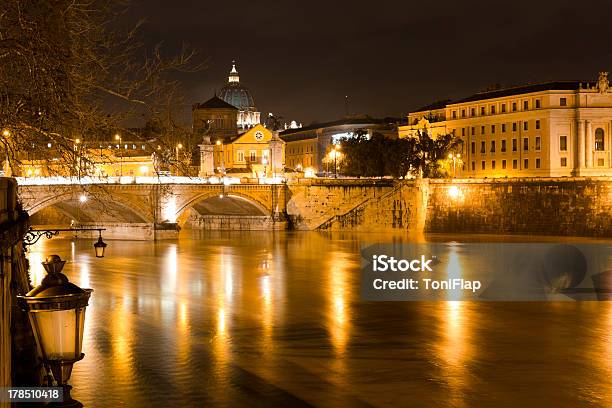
454	349
224	291
37	271
338	303
121	326
454	270
229	300
266	313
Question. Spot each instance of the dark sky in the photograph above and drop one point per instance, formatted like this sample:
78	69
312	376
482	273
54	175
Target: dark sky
301	58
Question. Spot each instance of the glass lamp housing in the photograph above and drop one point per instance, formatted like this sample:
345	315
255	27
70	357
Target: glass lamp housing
100	247
56	309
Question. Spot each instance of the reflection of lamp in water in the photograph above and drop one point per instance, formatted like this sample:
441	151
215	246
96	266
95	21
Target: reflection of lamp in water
56	309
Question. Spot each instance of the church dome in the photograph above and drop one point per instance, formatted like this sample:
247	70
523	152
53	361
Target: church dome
236	94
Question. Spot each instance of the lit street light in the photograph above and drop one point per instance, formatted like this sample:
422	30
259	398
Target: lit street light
336	152
219	143
264	161
56	309
118	138
455	158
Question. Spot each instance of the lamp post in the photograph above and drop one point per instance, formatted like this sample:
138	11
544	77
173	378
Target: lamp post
264	161
118	138
56	309
33	235
336	150
454	158
219	143
77	149
178	148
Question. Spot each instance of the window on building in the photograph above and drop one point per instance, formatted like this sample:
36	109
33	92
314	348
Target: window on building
473	130
525	125
525	105
483	165
563	143
526	163
492	128
503	128
537	142
514	145
537	124
473	110
493	164
600	162
463	113
513	106
514	127
563	102
492	109
515	164
599	139
473	147
503	164
473	165
240	156
503	145
462	131
538	104
252	155
483	148
482	111
482	130
454	114
492	146
564	162
503	108
538	163
525	143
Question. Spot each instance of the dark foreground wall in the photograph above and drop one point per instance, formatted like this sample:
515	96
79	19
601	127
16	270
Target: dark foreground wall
18	361
564	206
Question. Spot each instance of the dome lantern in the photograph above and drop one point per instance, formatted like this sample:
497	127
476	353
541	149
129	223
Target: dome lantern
233	76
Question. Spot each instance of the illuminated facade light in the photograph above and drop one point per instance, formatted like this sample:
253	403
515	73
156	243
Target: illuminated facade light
454	192
83	198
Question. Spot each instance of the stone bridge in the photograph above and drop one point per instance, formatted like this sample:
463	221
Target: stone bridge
141	210
154	210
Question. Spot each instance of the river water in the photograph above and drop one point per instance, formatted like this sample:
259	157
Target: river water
275	319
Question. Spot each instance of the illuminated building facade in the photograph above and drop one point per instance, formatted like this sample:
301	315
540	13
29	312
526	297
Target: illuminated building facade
256	152
550	129
309	147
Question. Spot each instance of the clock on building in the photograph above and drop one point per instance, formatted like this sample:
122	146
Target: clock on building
259	135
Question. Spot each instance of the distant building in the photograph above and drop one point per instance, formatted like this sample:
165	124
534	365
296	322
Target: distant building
226	148
550	129
256	152
308	146
215	119
239	96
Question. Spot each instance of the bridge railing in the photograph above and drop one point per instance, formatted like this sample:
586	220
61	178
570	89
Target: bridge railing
47	181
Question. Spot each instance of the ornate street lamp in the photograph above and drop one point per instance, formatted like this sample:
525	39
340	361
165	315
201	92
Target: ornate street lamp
33	235
56	309
100	246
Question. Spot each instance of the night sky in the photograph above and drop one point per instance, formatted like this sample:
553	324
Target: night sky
300	59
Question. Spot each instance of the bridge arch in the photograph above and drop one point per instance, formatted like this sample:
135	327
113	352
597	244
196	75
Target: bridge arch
115	207
224	203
